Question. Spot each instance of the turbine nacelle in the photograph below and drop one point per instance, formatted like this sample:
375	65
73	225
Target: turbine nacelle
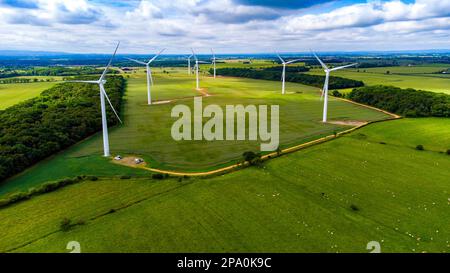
283	74
214	58
149	73
150	61
325	86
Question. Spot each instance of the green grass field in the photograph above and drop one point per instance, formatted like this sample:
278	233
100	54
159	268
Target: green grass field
11	94
333	197
417	77
146	129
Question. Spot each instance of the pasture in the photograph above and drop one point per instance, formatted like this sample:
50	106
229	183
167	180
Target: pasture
417	77
146	131
370	185
14	93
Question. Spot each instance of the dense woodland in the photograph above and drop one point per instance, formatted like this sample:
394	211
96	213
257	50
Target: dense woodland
58	118
314	80
406	102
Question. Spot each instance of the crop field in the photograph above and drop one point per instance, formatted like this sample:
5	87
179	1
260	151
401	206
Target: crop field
146	131
420	77
11	94
328	198
407	70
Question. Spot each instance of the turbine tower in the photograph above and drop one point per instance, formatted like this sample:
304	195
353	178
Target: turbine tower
325	86
189	64
103	94
214	62
283	75
149	74
196	69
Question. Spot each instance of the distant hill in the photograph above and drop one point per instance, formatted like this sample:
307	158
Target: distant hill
28	53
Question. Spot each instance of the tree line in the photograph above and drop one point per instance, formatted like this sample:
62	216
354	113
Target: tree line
293	69
271	75
406	102
61	116
159	63
25	80
50	71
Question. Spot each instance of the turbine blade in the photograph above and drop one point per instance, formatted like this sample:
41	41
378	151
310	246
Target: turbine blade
75	81
109	64
293	61
136	61
193	53
344	66
324	66
212	51
110	104
282	61
156	56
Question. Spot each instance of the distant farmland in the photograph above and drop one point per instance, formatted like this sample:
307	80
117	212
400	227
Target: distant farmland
417	77
11	94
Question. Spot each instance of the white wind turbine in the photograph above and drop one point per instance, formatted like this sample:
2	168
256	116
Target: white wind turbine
103	94
325	86
213	60
149	74
196	69
283	75
189	64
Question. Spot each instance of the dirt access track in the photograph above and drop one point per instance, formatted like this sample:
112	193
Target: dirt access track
347	122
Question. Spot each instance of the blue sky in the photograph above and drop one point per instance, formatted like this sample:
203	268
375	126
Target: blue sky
229	26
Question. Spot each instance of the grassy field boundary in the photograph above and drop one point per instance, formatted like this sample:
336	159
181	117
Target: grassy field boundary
394	116
295	148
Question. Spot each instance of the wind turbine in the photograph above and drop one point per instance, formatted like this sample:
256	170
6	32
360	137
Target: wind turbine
149	74
325	86
283	75
189	64
196	69
103	94
213	59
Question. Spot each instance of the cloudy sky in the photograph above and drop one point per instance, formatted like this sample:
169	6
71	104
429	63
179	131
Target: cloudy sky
230	26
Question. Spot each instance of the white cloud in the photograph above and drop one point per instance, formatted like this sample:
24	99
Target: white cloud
369	14
145	10
402	27
48	12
